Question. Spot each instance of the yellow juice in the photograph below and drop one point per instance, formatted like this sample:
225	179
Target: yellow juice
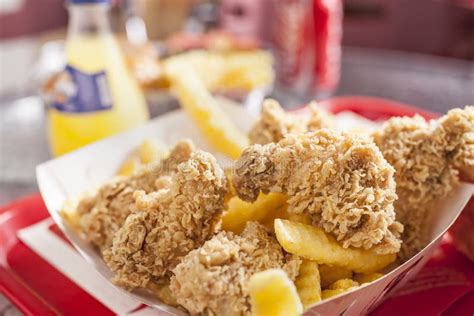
92	54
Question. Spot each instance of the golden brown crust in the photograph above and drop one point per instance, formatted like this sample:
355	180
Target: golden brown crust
212	280
274	123
456	132
168	223
103	213
341	181
425	156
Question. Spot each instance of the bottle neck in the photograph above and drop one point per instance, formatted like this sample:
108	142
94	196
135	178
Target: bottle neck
89	19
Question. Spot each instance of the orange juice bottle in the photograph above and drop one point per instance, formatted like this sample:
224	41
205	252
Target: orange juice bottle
95	96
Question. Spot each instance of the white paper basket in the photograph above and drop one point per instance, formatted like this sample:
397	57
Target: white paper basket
70	175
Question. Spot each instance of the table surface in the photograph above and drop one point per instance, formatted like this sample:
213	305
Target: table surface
433	83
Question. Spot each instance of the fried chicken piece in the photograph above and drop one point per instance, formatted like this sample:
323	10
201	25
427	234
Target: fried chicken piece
275	123
213	279
341	181
168	223
103	213
425	156
456	132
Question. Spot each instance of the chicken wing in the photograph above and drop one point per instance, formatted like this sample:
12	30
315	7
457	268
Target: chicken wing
426	156
168	223
104	212
274	123
213	279
341	181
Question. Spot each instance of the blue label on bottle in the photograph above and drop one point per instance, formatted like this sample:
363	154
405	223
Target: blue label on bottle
79	92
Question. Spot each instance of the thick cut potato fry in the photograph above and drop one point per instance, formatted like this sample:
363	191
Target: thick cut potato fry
272	293
148	151
208	66
246	70
343	284
325	294
338	287
197	101
129	166
308	283
69	213
300	218
329	274
236	70
367	277
163	292
263	209
313	243
281	212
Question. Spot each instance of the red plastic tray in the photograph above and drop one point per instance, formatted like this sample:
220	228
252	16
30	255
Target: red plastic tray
28	281
36	288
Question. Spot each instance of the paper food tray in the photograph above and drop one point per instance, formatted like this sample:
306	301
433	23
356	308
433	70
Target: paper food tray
71	175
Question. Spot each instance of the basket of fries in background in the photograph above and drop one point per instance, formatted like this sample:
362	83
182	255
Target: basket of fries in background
209	210
233	67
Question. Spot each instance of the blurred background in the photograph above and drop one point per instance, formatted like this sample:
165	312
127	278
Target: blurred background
417	52
434	28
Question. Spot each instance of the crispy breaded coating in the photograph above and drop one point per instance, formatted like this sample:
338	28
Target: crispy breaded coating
456	132
168	223
274	123
341	181
425	156
103	213
213	279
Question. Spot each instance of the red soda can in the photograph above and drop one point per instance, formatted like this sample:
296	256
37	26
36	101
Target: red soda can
328	34
306	38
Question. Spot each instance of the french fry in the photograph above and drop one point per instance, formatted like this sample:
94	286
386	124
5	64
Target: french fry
272	293
69	213
236	70
338	287
313	243
325	294
163	292
308	283
148	151
246	70
129	166
329	274
263	209
196	100
300	218
343	284
367	277
208	66
281	212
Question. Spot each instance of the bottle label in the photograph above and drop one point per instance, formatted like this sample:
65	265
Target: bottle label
75	91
